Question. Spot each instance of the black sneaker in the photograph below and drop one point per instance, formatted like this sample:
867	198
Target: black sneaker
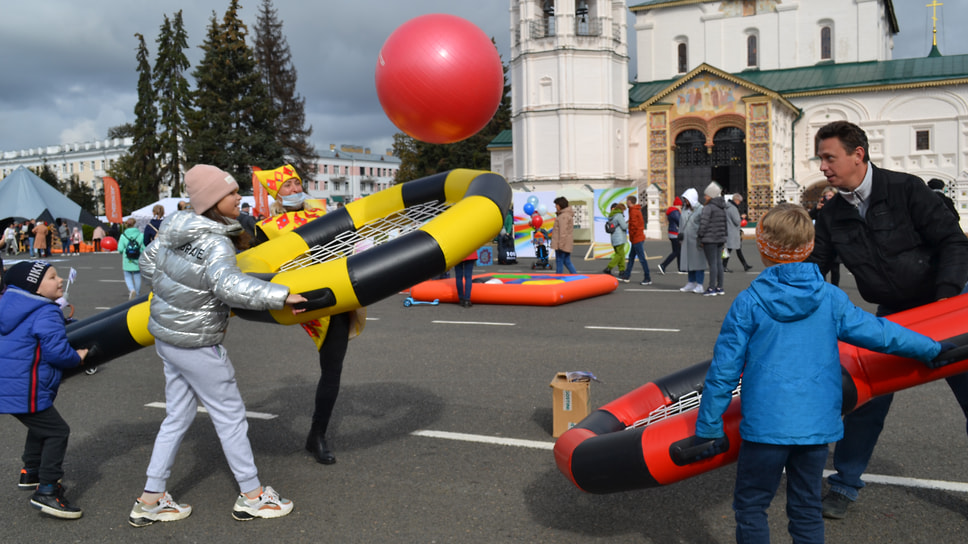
54	504
28	480
835	505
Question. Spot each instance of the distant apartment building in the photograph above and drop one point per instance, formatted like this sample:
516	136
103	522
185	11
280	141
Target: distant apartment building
342	175
88	160
351	172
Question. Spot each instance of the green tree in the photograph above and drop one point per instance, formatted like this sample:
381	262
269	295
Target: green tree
420	159
137	170
279	77
174	100
233	125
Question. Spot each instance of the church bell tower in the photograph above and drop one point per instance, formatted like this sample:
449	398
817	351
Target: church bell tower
569	93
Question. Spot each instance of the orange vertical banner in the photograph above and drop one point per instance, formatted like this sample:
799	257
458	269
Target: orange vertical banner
260	195
112	200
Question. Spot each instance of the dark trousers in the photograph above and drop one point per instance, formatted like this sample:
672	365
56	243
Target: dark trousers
758	472
331	355
676	249
464	272
46	444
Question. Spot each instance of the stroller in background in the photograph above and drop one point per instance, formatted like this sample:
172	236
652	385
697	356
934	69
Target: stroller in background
539	239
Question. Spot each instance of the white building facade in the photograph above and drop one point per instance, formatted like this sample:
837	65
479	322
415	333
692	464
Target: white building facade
728	90
88	160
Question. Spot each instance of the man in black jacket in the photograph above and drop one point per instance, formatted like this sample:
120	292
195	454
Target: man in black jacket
903	248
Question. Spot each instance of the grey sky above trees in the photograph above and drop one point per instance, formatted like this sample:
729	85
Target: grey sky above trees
69	68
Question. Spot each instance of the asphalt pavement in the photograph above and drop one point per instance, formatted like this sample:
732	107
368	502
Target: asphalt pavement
442	430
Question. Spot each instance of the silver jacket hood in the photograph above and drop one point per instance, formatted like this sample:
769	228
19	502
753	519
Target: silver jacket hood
195	279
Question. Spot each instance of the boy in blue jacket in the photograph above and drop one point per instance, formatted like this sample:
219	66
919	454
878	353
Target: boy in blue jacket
791	404
33	350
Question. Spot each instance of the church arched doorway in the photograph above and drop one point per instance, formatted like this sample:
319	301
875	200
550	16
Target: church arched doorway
729	160
693	162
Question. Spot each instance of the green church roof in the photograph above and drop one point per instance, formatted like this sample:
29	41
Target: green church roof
829	78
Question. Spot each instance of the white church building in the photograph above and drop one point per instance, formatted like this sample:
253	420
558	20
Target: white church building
727	90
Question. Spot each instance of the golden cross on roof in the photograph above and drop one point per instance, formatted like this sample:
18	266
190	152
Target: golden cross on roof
934	5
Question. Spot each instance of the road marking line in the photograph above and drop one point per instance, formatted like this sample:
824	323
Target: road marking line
910	482
494	324
870	478
111	281
102	307
201	409
629	329
486	439
643	290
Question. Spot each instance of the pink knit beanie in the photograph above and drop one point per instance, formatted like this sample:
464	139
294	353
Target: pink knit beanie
207	185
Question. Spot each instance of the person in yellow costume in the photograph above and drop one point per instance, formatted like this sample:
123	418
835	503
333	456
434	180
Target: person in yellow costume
291	210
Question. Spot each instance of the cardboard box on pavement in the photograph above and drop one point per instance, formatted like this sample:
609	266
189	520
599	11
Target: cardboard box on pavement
570	402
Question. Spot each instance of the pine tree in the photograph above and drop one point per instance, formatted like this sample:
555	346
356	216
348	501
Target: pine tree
139	187
279	76
420	159
174	100
233	125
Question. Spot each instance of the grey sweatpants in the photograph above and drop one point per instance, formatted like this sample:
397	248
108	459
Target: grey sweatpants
206	375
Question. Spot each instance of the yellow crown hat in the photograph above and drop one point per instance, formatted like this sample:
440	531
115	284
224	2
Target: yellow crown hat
272	180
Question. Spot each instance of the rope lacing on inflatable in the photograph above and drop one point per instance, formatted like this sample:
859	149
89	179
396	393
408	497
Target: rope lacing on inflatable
369	235
689	401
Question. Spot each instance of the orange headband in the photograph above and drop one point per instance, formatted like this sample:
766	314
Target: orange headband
782	255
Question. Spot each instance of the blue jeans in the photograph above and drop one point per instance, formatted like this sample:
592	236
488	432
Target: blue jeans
696	276
863	427
638	250
463	271
563	260
758	472
133	281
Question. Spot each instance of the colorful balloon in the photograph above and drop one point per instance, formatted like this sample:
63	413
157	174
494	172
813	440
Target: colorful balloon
536	221
439	78
528	208
108	243
742	223
533	200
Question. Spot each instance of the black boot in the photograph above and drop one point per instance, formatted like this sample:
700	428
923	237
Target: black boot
316	445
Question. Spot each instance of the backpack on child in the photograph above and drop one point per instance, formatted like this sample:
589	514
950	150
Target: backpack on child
610	226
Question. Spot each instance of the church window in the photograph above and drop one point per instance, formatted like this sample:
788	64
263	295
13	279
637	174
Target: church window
683	58
826	52
922	140
751	51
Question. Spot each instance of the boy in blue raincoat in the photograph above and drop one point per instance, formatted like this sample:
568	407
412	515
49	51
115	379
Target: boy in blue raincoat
780	336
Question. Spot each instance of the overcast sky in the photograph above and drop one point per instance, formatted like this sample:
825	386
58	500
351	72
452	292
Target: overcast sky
68	68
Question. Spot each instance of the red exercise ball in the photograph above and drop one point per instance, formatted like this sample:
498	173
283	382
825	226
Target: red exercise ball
108	243
439	78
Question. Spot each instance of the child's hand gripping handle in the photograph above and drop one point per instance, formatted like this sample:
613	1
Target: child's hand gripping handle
316	299
695	448
953	350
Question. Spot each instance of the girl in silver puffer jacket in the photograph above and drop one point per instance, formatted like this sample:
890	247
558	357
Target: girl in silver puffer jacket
195	279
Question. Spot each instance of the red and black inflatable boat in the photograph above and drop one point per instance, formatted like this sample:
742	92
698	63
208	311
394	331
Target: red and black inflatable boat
643	438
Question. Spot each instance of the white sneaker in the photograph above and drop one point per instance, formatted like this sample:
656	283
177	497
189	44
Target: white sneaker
687	288
165	510
131	295
268	505
698	289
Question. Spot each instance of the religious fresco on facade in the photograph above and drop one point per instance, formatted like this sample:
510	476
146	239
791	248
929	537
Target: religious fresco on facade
748	7
707	96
